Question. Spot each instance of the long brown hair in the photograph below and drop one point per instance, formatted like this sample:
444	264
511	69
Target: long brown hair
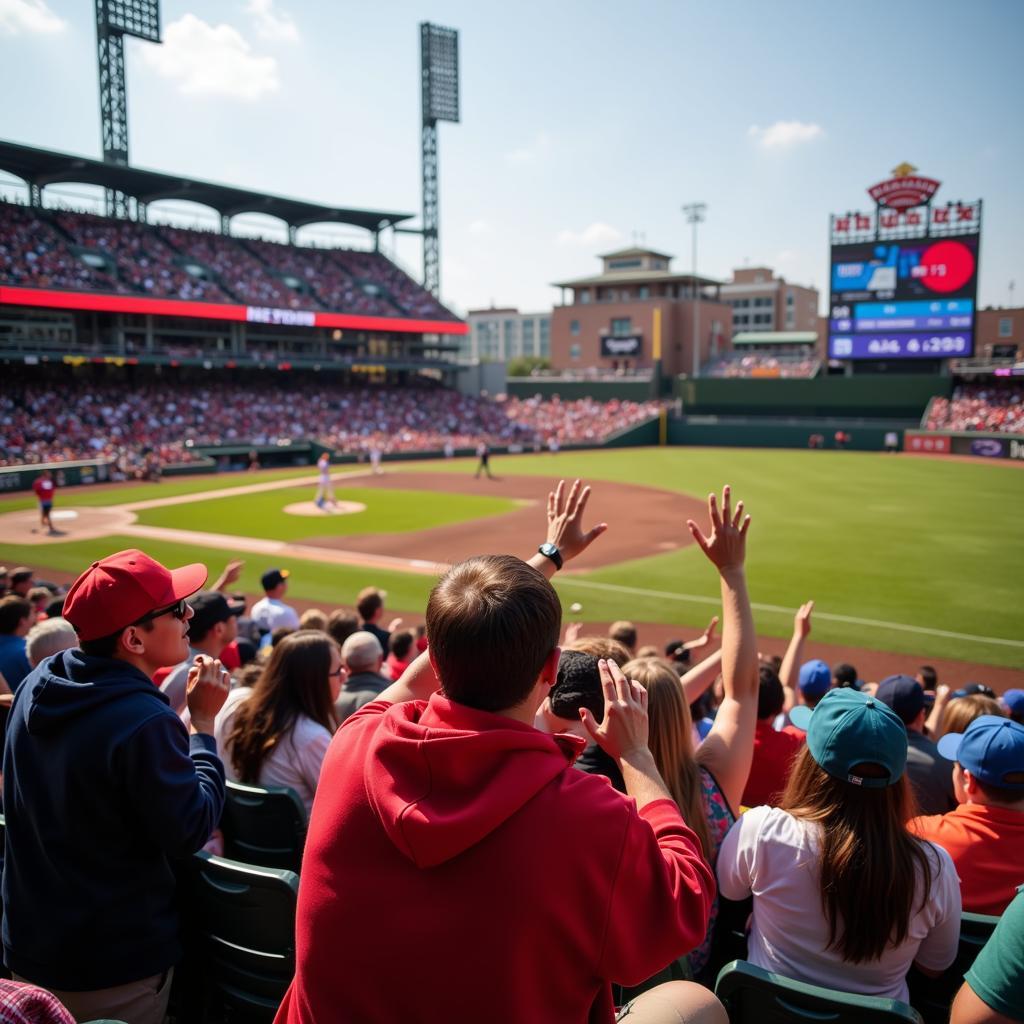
295	682
870	863
671	741
964	710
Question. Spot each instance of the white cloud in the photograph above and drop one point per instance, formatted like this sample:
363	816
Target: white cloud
783	134
211	60
480	228
33	16
271	24
597	233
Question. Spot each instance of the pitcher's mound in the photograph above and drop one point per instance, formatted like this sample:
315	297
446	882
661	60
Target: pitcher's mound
310	508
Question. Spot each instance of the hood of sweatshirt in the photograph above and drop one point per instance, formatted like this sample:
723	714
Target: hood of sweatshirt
71	683
446	775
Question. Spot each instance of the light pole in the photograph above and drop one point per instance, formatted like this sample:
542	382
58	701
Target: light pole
695	215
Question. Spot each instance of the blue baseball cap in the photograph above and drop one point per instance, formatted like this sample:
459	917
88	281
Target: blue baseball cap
903	694
990	748
1014	700
848	729
815	678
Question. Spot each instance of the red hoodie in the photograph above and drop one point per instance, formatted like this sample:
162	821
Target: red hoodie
457	869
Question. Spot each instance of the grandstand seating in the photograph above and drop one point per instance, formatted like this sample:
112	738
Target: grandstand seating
746	363
80	251
752	995
240	945
994	406
42	420
264	825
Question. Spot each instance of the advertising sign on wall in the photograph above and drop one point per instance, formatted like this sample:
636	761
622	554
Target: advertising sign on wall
627	347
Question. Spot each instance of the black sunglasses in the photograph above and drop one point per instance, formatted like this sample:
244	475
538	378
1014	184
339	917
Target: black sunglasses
179	610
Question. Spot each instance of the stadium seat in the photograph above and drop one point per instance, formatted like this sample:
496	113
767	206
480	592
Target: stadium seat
933	997
752	995
264	825
240	937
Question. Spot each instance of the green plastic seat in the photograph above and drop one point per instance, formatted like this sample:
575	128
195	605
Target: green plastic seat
240	935
264	825
752	995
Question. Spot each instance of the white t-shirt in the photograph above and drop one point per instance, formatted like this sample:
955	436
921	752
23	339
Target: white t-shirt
295	760
775	857
270	613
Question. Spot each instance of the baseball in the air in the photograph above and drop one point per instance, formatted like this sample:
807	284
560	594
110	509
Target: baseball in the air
575	607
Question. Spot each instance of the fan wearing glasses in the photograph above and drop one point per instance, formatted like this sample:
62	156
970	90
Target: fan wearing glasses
103	788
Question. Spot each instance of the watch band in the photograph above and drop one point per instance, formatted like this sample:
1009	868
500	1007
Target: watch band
548	550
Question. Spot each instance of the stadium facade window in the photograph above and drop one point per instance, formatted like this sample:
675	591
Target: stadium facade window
789	298
583	296
644	292
624	264
574	327
1005	327
622	327
574	351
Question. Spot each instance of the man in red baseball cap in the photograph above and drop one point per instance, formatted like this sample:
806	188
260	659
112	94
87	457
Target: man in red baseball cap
103	787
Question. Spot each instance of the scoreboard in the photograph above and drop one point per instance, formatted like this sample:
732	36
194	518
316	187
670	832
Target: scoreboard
904	298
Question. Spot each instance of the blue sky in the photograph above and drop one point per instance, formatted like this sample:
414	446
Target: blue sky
583	122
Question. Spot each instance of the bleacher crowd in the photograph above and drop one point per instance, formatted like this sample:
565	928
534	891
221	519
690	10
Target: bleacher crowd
743	363
498	829
992	406
82	419
81	251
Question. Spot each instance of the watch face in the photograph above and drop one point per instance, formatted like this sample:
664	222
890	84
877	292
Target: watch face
548	548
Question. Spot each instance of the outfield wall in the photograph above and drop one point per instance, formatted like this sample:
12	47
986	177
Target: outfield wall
739	432
876	396
626	389
971	442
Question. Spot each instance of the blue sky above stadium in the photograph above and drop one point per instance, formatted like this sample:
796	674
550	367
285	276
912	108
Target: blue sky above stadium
585	124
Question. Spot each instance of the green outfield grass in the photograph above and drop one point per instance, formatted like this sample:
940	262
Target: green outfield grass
387	511
931	545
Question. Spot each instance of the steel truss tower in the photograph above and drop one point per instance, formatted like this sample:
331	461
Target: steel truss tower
114	20
439	61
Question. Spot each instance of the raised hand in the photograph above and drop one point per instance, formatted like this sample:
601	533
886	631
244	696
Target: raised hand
726	548
232	572
572	633
565	520
206	690
624	730
802	619
705	638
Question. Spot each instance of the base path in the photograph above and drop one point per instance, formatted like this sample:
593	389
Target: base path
643	521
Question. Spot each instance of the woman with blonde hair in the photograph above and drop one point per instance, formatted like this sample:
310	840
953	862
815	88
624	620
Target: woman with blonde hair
961	712
707	784
844	895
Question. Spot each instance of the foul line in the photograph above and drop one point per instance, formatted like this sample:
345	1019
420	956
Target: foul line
576	581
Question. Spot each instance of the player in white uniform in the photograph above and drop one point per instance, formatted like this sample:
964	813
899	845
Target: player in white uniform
324	487
375	454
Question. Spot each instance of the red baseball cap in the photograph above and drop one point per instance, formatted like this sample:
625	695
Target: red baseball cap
120	589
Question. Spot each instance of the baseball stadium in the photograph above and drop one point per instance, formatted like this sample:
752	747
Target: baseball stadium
342	449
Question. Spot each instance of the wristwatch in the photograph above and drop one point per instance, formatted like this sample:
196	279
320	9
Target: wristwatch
548	550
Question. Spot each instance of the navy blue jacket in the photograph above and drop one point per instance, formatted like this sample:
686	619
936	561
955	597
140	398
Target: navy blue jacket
102	791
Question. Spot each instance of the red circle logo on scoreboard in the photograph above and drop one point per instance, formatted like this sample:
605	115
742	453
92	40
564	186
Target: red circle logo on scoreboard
946	266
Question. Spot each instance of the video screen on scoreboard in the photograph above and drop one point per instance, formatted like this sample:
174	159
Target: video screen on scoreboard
904	299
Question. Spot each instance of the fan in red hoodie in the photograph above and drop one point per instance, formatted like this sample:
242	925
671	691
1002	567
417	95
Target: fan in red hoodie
457	867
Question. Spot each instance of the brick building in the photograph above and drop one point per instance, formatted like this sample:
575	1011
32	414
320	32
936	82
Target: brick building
999	326
610	319
760	301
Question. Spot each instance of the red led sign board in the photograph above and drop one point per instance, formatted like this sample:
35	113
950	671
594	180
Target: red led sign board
89	301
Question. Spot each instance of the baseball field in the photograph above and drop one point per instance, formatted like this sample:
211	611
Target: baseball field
908	559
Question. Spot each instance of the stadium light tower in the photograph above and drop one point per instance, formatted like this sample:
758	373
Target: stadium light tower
116	19
695	213
439	61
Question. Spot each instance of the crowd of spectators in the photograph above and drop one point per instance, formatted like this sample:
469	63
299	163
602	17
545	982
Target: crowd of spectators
580	421
662	790
991	406
741	363
82	419
82	251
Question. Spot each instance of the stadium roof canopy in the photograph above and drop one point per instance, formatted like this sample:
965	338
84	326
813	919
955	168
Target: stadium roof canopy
637	277
42	167
775	338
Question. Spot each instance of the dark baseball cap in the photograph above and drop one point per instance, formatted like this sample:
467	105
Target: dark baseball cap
904	695
211	607
273	578
815	678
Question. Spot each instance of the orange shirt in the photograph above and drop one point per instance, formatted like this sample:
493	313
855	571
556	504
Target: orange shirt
987	847
769	771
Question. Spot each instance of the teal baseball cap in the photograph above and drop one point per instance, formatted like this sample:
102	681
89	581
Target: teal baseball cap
848	729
